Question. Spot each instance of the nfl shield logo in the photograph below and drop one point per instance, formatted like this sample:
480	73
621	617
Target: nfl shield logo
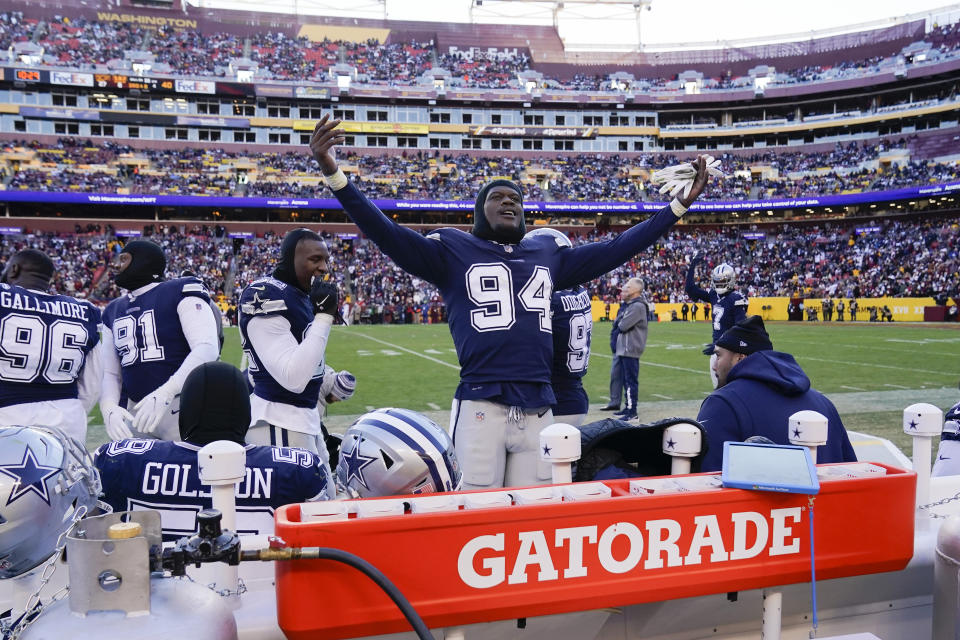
479	416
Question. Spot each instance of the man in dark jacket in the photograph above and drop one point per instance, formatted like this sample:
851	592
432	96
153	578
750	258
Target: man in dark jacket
758	389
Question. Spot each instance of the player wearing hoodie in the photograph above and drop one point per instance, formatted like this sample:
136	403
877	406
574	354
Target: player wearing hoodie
758	390
497	286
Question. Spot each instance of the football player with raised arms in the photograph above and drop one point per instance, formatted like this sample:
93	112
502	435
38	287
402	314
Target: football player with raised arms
155	335
728	305
497	287
572	320
50	353
285	322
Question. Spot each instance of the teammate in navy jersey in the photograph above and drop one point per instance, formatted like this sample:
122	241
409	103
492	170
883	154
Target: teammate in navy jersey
155	335
729	307
285	323
50	353
497	287
572	321
161	475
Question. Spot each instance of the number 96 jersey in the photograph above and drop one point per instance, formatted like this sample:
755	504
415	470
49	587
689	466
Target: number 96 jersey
44	342
147	334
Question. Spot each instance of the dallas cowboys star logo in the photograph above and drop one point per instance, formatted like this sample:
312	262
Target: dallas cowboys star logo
913	425
257	303
29	476
671	443
546	450
355	464
796	432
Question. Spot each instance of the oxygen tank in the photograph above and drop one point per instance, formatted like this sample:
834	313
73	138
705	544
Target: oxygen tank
114	595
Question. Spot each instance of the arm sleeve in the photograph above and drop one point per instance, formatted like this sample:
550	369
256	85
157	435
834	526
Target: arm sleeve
719	420
633	315
740	310
692	290
291	364
111	382
200	329
91	377
584	263
411	251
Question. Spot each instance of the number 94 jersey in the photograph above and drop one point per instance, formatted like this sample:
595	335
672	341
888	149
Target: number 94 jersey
44	342
147	334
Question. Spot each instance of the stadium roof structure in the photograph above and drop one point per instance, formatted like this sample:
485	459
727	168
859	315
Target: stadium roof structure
633	25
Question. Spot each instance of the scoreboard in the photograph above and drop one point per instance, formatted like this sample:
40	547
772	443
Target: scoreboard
120	81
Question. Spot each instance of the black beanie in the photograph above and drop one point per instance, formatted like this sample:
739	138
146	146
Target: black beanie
747	336
482	229
214	404
285	271
146	266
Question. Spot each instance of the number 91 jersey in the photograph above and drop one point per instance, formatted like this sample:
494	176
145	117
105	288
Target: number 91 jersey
147	334
44	342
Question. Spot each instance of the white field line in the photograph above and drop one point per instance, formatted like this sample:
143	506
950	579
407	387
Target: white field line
871	364
657	395
843	386
410	351
654	364
434	406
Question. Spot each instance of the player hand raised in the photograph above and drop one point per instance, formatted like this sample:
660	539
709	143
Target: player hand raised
699	182
325	138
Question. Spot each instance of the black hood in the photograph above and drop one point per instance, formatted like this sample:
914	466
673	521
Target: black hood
146	266
285	271
214	405
482	229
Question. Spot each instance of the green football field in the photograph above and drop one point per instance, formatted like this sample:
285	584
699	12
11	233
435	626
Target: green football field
871	371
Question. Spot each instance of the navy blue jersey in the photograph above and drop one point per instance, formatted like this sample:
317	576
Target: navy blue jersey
498	295
727	309
572	328
44	342
163	475
271	297
147	334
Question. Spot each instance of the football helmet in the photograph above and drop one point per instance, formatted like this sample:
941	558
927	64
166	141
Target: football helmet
559	236
45	477
395	452
724	277
951	423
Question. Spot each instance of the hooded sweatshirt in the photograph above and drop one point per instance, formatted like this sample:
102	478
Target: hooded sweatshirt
762	391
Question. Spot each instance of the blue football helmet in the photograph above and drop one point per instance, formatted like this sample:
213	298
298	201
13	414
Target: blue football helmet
560	237
45	477
395	452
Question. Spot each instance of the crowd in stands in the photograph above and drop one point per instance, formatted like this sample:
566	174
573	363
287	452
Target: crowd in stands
90	44
850	259
421	175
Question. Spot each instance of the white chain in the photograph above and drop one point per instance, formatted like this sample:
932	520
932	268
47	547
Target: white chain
34	607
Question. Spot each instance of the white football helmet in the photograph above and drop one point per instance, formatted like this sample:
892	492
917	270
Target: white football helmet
724	277
559	236
395	452
45	477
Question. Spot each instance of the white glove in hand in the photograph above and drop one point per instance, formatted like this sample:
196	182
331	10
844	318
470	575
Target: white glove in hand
152	408
680	177
116	420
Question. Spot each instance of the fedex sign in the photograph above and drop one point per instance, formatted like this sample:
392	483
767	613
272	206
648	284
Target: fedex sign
576	552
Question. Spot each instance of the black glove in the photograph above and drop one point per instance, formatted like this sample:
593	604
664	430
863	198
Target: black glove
325	297
709	350
697	259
